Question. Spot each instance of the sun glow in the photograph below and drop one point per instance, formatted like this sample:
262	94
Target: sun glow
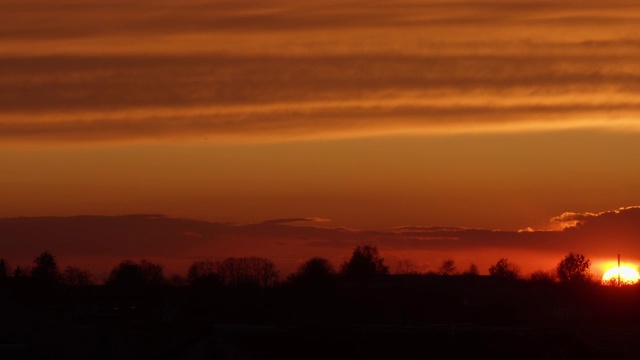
628	275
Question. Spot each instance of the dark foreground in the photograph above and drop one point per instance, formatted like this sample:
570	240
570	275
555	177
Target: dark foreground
398	317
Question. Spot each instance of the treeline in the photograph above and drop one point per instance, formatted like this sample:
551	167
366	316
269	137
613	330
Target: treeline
365	264
233	272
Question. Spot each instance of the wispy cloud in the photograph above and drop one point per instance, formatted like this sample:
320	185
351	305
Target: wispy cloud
282	70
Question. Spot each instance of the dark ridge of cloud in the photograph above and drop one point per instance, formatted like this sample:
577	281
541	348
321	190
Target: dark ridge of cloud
129	235
611	232
593	19
71	19
67	84
428	229
452	240
142	236
574	219
295	220
84	20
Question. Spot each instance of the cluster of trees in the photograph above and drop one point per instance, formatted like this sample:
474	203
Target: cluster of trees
365	264
46	271
245	271
573	268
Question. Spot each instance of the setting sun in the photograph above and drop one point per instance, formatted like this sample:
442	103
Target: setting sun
628	275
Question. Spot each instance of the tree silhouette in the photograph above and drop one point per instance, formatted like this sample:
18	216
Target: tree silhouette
542	277
365	264
45	270
19	272
406	267
472	270
264	271
503	268
131	275
203	274
448	267
177	280
573	268
314	272
126	274
153	273
4	269
247	271
74	276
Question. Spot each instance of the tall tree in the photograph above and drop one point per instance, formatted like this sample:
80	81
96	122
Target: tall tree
365	264
46	269
504	268
573	268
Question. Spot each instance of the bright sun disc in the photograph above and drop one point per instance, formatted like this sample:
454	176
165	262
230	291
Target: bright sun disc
628	275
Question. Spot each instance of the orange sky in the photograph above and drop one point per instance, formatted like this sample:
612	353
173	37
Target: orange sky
370	114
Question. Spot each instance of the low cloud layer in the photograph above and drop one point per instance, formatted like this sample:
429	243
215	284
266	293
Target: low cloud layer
575	219
280	70
102	240
295	220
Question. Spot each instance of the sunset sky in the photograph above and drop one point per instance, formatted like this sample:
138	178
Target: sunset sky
363	118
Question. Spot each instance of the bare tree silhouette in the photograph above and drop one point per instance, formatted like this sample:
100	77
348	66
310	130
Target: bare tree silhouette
406	267
448	267
247	271
504	268
472	270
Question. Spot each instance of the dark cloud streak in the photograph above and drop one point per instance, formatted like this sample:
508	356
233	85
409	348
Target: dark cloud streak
163	237
110	83
66	98
122	71
68	19
295	220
